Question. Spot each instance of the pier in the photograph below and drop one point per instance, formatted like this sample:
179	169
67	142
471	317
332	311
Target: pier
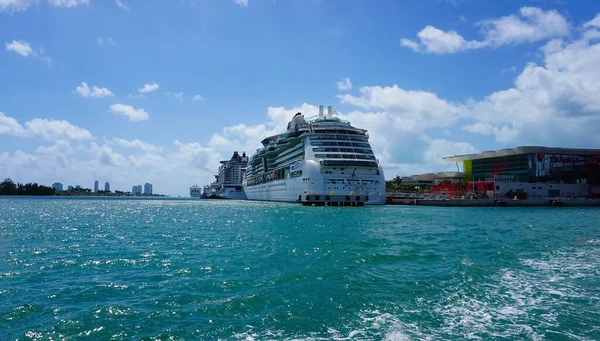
333	200
442	200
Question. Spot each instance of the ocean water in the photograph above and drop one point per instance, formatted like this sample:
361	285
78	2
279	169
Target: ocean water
113	269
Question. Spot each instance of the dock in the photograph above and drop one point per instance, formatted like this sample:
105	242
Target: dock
503	202
333	200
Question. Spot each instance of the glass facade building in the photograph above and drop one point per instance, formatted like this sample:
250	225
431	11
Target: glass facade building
533	165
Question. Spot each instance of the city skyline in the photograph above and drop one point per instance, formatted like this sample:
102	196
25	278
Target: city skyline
427	79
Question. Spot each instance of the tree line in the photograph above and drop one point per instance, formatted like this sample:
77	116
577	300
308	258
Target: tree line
396	185
9	187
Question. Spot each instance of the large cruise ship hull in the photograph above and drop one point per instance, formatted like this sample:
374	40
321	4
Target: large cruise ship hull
314	182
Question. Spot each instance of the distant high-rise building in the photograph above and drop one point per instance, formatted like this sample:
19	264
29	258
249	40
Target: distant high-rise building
137	190
96	186
70	188
148	188
77	187
57	186
107	186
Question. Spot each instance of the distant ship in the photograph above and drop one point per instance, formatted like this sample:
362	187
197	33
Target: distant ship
228	182
231	174
195	192
321	156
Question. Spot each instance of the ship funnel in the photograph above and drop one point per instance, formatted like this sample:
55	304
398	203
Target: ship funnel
320	111
329	111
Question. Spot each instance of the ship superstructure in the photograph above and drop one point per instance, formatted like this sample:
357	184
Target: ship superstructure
195	192
230	177
319	156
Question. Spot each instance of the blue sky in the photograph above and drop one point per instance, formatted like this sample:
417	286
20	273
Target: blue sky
427	78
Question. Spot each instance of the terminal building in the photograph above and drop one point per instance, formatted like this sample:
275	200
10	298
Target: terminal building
528	172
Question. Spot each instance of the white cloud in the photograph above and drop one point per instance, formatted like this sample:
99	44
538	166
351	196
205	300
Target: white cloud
15	5
23	5
122	5
132	113
106	156
440	148
107	40
413	107
479	128
241	3
84	91
344	84
198	97
10	126
24	49
20	47
47	129
593	23
410	44
59	147
177	95
437	41
135	143
56	129
532	24
68	3
149	87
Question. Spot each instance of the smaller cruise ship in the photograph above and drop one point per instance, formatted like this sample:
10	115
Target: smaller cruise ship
231	176
195	192
228	182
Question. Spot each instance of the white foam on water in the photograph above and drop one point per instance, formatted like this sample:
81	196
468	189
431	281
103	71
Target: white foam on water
525	302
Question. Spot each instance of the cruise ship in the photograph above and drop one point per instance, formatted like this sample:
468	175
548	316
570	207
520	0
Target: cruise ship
319	156
195	192
231	174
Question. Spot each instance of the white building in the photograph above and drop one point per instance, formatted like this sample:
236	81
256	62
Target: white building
148	188
96	186
107	186
136	190
57	186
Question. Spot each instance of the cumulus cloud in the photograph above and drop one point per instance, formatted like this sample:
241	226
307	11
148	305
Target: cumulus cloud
135	143
344	84
198	97
84	91
532	24
132	113
122	5
149	87
176	95
241	3
15	5
24	49
413	107
68	3
593	23
47	129
20	47
23	5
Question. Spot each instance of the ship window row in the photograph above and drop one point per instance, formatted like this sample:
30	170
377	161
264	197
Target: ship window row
338	137
337	131
344	150
348	144
345	156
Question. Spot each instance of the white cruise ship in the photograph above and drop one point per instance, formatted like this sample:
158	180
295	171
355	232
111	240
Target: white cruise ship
195	192
321	156
229	179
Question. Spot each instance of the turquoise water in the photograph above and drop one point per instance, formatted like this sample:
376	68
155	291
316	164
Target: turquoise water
207	270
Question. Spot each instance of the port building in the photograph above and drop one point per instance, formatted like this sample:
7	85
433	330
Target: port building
527	172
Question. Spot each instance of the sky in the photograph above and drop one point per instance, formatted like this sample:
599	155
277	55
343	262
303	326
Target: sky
159	91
